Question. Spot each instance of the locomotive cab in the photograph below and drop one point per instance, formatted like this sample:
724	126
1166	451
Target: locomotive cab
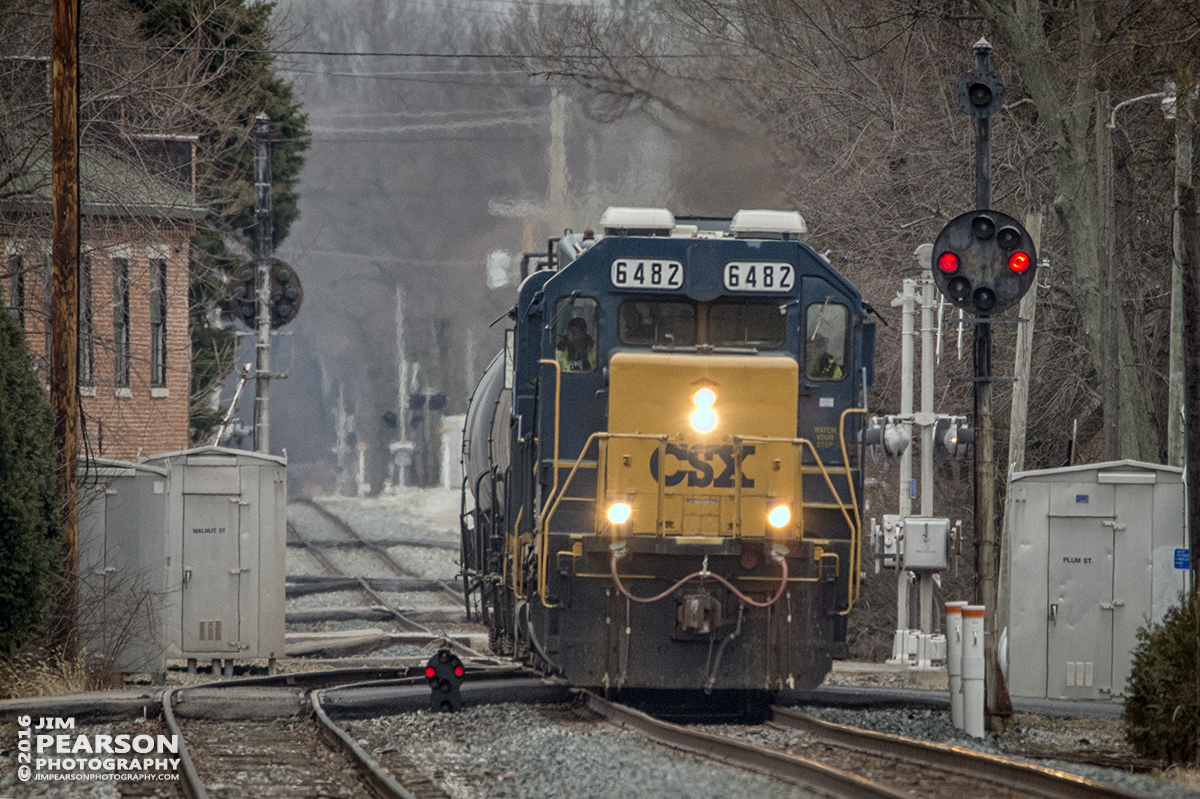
681	507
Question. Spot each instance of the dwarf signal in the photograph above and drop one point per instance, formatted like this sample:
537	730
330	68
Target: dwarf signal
445	674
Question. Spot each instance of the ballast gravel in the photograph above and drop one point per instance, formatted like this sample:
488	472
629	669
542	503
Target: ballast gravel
420	513
312	524
509	751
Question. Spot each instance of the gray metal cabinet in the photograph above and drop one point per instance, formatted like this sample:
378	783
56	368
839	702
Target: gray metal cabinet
123	564
1090	559
228	538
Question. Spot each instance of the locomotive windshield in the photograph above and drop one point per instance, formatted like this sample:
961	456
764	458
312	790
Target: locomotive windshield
740	324
679	323
661	322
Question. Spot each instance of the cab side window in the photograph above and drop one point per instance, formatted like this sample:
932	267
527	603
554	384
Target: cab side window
825	340
575	324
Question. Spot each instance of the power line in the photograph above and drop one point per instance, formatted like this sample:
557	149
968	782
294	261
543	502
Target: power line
392	54
465	124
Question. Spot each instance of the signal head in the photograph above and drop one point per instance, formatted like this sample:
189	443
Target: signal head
983	226
994	261
1009	238
980	94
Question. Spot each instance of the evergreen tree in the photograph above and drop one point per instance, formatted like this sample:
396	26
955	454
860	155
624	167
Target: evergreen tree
239	84
1160	706
30	533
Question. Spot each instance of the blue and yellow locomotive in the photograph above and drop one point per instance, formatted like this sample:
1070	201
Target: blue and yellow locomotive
663	474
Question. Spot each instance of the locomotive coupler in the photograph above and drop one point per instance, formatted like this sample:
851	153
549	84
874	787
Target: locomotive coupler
699	614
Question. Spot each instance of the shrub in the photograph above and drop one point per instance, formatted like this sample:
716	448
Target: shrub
30	532
1160	704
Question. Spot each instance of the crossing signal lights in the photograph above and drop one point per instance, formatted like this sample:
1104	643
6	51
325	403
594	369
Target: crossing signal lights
984	261
951	435
445	674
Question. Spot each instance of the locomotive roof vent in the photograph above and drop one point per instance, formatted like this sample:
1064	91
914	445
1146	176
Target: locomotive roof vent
618	221
784	225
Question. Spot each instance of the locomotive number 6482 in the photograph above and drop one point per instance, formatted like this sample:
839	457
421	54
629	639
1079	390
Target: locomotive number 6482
646	273
752	276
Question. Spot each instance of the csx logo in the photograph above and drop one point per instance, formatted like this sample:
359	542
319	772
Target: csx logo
703	471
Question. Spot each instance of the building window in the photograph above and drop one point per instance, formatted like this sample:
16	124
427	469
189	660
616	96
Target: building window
158	322
87	324
16	287
121	352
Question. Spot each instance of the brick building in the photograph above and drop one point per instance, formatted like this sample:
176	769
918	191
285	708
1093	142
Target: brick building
134	341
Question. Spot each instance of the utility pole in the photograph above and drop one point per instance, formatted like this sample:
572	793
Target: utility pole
64	300
1112	369
264	135
1027	312
1182	111
907	300
1190	248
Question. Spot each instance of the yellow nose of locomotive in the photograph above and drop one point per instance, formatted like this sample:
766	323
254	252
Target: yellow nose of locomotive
700	445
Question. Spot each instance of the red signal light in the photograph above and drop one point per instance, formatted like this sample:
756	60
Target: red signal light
1018	261
459	671
948	262
430	672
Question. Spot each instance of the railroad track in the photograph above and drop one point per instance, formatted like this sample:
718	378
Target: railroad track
421	627
850	763
1022	779
350	733
300	756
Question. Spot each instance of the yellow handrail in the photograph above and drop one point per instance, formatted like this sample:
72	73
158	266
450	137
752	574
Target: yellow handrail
854	524
855	553
514	549
556	496
544	549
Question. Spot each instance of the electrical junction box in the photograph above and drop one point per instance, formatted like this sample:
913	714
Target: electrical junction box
891	540
1090	559
926	543
226	549
123	564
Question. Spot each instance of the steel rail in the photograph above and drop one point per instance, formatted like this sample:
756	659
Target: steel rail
379	551
1039	780
380	780
364	585
807	773
189	778
361	582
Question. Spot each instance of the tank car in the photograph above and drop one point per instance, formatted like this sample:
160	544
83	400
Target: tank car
663	467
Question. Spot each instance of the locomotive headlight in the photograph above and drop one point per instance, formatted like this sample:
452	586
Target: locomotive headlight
779	516
619	512
704	418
